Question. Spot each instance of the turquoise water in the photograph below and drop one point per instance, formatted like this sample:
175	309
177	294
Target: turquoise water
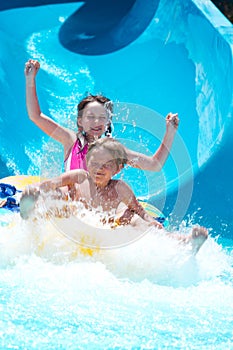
152	294
171	66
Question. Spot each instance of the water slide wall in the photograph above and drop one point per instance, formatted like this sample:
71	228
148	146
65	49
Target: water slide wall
154	57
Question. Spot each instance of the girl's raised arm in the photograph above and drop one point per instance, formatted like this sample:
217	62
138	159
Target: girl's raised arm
157	161
47	125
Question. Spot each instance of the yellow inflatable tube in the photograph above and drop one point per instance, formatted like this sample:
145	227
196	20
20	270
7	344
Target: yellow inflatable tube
89	237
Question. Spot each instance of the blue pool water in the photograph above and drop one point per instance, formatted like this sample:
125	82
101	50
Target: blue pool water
152	294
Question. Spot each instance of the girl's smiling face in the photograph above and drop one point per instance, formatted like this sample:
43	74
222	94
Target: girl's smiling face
94	119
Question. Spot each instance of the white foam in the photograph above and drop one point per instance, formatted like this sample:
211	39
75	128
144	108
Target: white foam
152	255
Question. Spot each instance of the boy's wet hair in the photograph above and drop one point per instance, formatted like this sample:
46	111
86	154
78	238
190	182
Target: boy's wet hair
112	146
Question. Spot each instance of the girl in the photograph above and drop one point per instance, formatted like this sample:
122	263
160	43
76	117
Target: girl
94	120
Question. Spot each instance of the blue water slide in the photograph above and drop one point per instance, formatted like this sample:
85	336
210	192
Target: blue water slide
150	57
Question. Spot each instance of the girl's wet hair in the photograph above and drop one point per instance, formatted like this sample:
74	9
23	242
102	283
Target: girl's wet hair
106	102
113	147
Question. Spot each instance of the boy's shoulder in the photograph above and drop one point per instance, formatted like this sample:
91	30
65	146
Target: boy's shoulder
121	184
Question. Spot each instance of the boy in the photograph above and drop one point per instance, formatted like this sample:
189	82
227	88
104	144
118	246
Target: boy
96	188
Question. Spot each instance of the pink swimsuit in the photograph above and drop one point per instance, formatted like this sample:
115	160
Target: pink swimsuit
77	156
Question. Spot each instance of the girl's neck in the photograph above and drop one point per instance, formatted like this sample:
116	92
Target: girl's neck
90	138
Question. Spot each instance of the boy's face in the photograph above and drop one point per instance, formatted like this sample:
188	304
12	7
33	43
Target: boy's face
102	167
94	119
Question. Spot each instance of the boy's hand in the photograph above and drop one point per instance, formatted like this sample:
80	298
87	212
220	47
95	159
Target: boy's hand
156	224
31	68
28	201
31	190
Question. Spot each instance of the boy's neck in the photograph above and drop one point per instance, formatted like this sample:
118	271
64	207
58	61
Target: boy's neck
102	186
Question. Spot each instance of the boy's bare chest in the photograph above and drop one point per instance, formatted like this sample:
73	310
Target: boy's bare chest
107	198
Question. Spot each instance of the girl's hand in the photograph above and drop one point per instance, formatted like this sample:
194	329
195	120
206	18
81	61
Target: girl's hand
172	120
31	68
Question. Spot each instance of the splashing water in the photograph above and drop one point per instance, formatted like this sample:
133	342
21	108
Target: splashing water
152	293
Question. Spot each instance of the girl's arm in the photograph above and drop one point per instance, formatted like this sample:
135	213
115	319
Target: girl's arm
157	161
50	127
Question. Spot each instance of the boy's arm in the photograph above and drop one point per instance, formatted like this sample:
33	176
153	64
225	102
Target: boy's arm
127	196
31	193
69	178
157	161
46	124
